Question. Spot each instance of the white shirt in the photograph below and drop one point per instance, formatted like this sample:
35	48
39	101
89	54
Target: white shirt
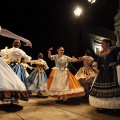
15	53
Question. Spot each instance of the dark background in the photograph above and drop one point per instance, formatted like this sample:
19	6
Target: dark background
45	22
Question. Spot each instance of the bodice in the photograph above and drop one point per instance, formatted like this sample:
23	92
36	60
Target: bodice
87	60
40	64
61	61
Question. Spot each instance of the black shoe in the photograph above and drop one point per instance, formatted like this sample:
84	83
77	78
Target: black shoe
100	110
64	101
58	101
116	111
39	94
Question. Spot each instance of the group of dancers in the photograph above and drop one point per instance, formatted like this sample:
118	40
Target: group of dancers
100	81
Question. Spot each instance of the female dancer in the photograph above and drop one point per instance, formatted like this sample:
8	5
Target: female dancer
61	83
38	77
105	91
25	66
15	54
87	73
11	87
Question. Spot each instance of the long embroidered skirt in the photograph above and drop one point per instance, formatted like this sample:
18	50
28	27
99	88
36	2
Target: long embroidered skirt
105	91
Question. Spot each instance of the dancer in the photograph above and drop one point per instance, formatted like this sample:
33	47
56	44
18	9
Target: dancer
105	91
15	54
25	66
11	87
86	74
37	79
61	83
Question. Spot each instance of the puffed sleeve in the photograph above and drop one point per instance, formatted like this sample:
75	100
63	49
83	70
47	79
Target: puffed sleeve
4	52
83	57
68	58
53	57
25	56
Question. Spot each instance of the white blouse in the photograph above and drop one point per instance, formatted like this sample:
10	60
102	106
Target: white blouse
40	62
15	54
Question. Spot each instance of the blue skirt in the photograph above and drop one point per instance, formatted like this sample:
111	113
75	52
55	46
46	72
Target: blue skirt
37	81
18	69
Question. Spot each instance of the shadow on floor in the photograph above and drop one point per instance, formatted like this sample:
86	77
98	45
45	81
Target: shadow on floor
10	107
45	103
36	96
109	112
74	101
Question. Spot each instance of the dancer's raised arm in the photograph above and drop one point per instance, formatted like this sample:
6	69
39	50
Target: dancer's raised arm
49	53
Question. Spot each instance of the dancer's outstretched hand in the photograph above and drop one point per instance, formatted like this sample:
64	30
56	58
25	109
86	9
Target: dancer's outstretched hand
51	49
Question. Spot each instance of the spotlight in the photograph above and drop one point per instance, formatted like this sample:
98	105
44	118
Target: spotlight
77	11
92	1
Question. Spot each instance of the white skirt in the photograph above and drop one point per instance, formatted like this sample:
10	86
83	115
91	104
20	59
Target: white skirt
9	81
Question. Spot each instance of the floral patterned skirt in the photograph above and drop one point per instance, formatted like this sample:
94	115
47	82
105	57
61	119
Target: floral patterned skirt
86	73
